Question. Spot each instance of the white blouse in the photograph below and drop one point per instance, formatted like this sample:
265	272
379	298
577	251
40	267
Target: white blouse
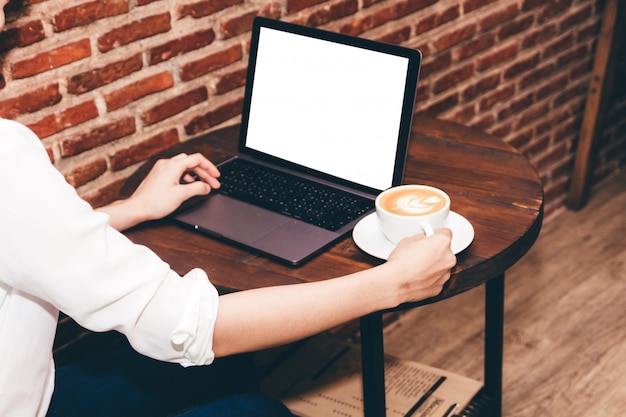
56	253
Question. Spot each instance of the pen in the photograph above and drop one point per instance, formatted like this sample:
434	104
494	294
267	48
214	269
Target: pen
424	397
451	410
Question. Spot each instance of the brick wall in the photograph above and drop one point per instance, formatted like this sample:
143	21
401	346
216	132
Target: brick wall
108	83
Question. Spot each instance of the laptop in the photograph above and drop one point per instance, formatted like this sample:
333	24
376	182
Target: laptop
329	111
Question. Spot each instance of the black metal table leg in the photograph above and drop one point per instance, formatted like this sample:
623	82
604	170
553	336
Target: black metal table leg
373	365
494	334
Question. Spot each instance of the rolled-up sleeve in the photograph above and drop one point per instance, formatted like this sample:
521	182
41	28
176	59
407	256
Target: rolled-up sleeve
53	246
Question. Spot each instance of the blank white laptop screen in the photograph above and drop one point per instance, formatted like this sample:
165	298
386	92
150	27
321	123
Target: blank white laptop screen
327	106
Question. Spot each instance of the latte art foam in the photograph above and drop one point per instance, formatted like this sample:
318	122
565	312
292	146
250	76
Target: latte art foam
414	202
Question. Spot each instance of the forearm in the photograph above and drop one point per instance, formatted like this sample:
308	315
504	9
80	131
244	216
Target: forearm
250	320
257	319
123	214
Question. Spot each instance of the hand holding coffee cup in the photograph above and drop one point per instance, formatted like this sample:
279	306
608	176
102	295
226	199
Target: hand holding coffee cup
408	210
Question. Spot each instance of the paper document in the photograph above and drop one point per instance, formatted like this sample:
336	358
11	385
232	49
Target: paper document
323	378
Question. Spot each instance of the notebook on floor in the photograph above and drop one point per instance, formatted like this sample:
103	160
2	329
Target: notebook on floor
332	111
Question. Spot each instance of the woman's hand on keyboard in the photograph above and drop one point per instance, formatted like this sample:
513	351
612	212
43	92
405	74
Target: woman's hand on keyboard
169	183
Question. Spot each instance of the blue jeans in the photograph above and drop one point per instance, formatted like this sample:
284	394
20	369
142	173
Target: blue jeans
123	383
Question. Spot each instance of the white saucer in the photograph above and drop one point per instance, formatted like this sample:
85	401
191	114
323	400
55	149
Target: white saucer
368	236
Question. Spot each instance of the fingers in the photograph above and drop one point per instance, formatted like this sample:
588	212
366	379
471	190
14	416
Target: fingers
191	168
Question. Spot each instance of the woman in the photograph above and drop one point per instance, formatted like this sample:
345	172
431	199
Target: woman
58	254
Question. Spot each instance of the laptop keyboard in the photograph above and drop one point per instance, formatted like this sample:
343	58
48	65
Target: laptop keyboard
296	197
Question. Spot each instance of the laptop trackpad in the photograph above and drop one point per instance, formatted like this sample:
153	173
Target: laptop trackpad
245	223
232	219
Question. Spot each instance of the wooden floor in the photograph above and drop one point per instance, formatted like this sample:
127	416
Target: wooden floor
565	318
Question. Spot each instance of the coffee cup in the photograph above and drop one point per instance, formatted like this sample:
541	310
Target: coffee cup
407	210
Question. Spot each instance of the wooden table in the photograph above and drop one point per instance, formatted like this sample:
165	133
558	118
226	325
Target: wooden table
489	182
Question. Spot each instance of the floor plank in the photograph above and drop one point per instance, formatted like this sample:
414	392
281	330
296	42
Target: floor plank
565	327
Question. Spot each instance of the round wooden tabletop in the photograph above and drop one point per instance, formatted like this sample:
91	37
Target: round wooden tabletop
489	182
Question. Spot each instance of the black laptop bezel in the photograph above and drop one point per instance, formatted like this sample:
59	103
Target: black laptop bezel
414	64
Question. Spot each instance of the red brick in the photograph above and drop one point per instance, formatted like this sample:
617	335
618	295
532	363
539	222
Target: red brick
138	89
557	116
552	9
474	46
516	107
214	117
137	30
61	120
94	137
168	108
470	5
582	68
205	8
497	57
80	113
562	169
229	81
566	131
455	36
97	77
210	63
499	95
396	37
426	24
45	127
515	27
558	46
412	6
181	45
452	78
55	58
362	23
555	154
439	63
138	152
572	56
534	148
237	25
104	195
448	15
88	12
557	85
86	172
528	5
297	5
520	140
588	32
464	114
530	115
573	19
333	12
521	66
368	3
574	91
484	123
481	87
538	36
440	106
536	76
502	130
498	17
22	36
30	101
